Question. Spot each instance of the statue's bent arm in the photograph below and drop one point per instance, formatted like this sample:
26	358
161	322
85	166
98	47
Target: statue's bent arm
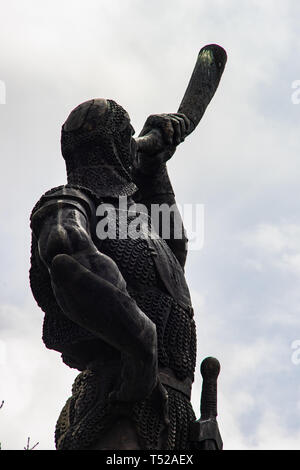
153	181
91	291
154	191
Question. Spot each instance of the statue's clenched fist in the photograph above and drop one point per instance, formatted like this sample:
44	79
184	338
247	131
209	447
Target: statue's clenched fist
173	127
159	138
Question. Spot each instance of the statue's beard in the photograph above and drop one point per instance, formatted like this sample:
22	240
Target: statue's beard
104	180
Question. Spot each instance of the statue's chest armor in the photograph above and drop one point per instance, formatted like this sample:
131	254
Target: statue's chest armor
156	281
144	259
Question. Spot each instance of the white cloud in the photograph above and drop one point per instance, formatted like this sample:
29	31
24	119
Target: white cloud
271	434
34	382
276	245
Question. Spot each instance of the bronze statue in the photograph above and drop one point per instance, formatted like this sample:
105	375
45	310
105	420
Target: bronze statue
116	305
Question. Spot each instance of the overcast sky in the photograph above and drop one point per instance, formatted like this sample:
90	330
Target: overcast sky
242	164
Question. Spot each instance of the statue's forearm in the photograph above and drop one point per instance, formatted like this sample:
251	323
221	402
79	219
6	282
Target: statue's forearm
154	186
156	190
90	300
167	131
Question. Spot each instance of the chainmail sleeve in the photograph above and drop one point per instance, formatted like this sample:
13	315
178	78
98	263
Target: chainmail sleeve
156	189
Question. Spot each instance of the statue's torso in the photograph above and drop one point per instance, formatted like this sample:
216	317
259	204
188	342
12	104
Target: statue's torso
154	279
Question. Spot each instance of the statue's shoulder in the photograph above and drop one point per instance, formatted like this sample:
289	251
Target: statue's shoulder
67	192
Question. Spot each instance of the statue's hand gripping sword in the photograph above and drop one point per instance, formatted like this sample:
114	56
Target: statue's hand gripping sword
202	86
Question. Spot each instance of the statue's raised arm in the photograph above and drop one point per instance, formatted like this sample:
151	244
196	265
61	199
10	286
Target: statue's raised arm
159	139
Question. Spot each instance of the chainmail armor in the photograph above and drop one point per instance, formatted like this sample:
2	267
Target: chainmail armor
87	416
100	157
88	413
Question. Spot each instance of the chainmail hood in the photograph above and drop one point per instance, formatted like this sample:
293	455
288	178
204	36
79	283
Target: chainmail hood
97	146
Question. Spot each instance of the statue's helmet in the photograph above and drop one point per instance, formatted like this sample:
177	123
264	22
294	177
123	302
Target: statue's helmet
98	148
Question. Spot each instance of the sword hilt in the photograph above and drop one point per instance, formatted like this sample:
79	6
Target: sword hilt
210	369
204	433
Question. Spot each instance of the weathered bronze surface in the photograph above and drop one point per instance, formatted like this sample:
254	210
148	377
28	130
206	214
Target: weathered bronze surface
117	307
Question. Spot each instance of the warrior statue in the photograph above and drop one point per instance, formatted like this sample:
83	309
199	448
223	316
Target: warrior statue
117	307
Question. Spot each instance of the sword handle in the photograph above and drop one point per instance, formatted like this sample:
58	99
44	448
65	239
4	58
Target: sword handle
204	433
210	369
